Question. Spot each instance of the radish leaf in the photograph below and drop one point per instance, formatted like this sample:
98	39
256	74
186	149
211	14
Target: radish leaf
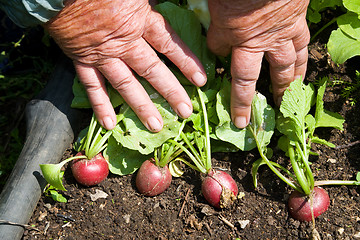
122	161
323	117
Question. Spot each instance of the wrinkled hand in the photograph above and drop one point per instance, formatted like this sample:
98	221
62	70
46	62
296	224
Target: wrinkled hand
108	39
254	28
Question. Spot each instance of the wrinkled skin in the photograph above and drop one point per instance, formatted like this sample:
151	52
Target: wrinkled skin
111	39
252	29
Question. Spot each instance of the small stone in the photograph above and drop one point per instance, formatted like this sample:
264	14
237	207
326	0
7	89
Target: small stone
271	221
98	194
47	205
208	211
241	195
127	218
357	235
331	160
243	223
341	230
42	216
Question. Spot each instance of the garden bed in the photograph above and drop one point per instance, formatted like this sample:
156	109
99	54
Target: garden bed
115	210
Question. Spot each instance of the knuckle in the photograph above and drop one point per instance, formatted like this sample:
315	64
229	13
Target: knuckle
123	84
148	71
171	93
142	108
168	45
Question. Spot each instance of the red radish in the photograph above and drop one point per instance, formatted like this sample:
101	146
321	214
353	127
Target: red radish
219	189
152	180
90	172
300	204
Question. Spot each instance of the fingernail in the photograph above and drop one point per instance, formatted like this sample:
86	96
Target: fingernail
240	122
184	110
153	124
108	123
199	79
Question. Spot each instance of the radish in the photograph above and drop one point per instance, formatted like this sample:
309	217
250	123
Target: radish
151	179
218	188
153	176
90	172
89	167
302	207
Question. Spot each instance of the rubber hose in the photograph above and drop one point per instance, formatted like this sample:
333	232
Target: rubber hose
51	124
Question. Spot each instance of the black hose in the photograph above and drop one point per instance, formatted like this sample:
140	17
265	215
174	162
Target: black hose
51	123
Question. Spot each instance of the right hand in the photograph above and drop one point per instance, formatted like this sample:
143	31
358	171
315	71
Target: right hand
110	38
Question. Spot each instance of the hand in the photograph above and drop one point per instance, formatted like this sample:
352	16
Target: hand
108	39
254	28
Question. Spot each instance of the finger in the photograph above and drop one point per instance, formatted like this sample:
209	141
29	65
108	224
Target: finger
159	34
301	63
282	68
94	84
245	70
301	42
143	59
217	42
123	80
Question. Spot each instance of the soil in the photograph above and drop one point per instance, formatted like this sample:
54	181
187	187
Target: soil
181	212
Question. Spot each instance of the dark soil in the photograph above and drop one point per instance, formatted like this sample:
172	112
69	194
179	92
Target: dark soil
182	213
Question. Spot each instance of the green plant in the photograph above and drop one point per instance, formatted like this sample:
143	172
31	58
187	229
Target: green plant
298	126
93	169
343	42
52	192
349	90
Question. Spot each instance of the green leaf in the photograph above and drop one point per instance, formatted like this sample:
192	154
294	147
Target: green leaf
80	97
317	6
132	134
288	127
352	5
341	47
323	117
349	23
263	121
218	145
297	101
115	98
53	175
188	27
226	130
57	196
310	123
122	161
80	141
283	144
